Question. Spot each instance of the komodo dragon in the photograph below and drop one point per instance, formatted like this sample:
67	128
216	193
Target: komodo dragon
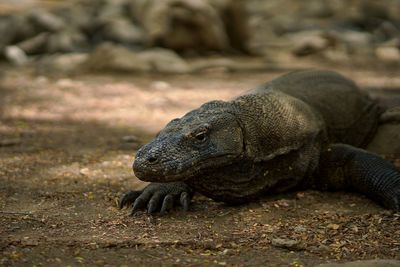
300	130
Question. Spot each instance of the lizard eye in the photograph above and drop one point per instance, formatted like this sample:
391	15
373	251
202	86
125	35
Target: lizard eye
201	136
201	133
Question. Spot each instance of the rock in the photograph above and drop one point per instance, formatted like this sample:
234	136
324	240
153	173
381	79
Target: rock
214	65
319	248
42	80
337	55
164	60
189	25
5	31
15	55
110	9
236	21
195	25
284	24
309	42
394	11
310	46
35	45
348	41
374	9
364	263
110	57
322	248
386	31
300	229
46	21
62	63
10	142
66	83
130	139
19	28
318	9
287	243
160	85
123	31
354	39
70	40
389	54
333	226
79	15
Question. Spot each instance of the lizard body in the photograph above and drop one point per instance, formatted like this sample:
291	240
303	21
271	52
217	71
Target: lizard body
304	129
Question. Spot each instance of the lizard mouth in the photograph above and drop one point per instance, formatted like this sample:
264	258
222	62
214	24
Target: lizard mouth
172	171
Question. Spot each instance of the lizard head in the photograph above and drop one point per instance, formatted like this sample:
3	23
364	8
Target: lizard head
204	138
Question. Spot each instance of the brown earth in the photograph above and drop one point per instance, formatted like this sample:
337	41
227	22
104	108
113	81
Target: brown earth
65	159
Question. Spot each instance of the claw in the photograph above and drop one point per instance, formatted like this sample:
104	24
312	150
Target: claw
142	200
157	197
128	198
154	203
185	200
138	204
167	204
132	213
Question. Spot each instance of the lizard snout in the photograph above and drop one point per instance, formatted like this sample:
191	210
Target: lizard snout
139	168
145	163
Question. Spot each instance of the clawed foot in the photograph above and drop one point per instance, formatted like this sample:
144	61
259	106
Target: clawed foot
158	197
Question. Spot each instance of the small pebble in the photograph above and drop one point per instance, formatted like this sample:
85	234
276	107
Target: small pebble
130	139
300	229
287	243
15	55
160	85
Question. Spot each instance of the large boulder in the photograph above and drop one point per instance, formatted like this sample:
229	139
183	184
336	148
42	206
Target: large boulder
193	25
44	20
120	30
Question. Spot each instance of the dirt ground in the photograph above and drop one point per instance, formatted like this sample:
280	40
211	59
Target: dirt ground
66	149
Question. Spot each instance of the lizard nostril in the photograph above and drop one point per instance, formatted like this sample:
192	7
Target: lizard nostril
152	160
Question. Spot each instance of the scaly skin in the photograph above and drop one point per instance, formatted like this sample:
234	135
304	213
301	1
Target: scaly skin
284	134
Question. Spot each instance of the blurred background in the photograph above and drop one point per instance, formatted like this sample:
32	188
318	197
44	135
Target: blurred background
84	83
105	34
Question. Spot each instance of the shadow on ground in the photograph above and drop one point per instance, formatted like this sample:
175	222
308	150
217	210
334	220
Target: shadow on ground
60	179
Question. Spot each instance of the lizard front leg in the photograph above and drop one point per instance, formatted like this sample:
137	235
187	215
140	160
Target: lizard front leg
346	167
158	197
